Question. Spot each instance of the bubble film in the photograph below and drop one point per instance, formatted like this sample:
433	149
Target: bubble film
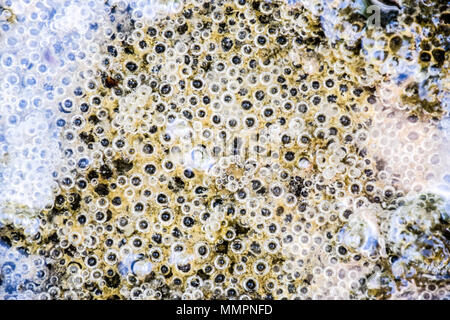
225	149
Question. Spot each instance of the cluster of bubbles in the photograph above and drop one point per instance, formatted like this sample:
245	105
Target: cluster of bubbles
41	46
411	154
23	275
228	149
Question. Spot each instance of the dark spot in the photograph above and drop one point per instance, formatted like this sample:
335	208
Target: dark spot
105	172
240	230
222	248
122	165
296	186
93	119
102	190
75	205
182	29
109	82
439	56
179	182
86	138
380	164
131	66
92	175
425	57
112	282
226	44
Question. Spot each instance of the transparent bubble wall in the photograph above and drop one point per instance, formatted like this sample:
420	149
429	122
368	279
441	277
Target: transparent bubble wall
224	149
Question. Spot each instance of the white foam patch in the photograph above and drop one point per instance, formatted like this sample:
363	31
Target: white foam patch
29	162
